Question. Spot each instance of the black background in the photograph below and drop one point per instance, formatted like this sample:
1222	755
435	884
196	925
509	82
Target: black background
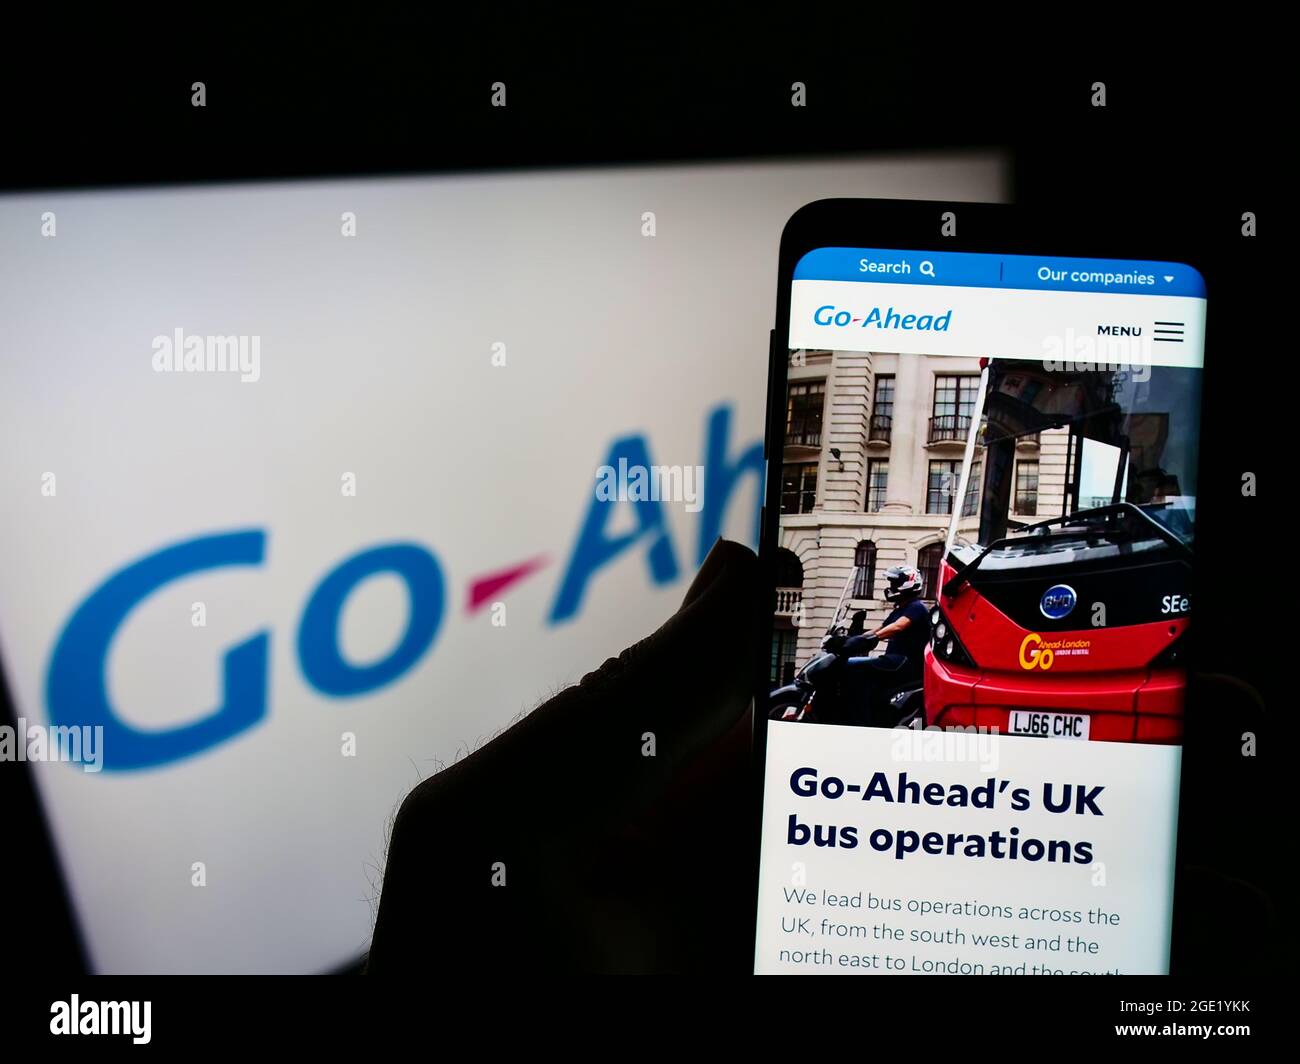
1193	119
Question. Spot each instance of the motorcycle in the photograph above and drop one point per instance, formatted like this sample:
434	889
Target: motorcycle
819	692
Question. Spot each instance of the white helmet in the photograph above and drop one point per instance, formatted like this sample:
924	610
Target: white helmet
905	583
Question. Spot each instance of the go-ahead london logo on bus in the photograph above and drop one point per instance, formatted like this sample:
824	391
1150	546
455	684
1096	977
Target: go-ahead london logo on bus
1039	653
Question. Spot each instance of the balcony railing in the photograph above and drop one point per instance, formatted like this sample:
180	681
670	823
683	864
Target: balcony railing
788	599
804	431
949	427
881	428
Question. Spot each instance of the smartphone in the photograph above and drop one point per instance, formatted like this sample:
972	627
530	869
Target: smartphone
982	447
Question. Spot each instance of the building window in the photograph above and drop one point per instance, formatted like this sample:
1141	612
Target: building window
927	560
789	569
864	576
945	475
805	401
784	648
954	403
798	488
882	411
789	582
877	483
1027	488
970	505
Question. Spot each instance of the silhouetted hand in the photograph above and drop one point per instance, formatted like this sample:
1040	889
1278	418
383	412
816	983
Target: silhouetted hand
612	860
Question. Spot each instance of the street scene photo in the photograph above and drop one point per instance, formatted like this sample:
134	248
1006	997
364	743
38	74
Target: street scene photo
984	542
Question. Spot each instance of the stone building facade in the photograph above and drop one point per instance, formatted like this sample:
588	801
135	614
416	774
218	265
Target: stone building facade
872	462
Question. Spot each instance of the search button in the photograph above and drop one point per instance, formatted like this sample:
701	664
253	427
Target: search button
927	267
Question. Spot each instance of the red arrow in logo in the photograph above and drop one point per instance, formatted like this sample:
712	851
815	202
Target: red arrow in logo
485	587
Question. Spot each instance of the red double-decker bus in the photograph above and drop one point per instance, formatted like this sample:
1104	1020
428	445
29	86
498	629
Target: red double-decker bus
1063	597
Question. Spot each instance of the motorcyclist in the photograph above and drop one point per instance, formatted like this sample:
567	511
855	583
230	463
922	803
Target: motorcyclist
907	628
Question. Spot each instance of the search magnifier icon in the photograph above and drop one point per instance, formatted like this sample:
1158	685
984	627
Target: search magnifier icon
927	267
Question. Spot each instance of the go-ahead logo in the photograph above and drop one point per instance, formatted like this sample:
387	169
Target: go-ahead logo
76	687
1038	653
886	319
1033	655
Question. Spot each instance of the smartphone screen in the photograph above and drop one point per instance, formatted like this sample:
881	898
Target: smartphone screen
987	502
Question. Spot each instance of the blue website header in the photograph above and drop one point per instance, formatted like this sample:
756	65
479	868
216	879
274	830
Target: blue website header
974	270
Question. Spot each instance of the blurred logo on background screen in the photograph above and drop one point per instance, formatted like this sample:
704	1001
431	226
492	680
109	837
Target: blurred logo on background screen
77	691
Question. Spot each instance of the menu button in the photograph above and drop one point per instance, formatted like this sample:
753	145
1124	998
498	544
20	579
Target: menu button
1169	332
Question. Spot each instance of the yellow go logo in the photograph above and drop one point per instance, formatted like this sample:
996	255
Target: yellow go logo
1033	655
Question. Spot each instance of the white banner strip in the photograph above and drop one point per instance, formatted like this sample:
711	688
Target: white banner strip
1069	327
